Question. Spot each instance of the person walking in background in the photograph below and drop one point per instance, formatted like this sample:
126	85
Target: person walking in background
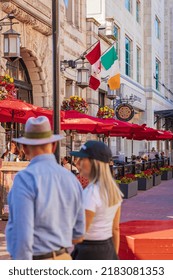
68	164
65	163
11	153
42	223
102	202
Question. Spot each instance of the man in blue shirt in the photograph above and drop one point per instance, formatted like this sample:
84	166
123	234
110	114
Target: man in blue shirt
46	212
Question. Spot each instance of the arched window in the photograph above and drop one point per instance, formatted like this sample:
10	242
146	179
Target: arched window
19	72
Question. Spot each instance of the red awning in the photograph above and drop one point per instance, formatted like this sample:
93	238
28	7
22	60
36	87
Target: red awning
82	123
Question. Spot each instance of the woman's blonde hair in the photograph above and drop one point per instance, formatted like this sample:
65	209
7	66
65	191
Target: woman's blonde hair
109	191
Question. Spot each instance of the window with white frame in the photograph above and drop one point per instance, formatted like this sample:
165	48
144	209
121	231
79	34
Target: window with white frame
157	27
157	73
138	11
73	12
128	5
78	12
101	98
138	65
128	58
116	35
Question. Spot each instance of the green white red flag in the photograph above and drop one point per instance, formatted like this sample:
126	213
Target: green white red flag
110	63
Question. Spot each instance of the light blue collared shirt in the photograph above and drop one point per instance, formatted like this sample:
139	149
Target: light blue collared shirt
45	209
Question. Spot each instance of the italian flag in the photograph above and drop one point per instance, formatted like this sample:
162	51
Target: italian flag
94	59
110	62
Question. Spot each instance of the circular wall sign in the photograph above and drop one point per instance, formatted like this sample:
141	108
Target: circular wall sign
124	112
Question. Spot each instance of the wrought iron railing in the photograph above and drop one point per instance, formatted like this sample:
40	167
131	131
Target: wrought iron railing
121	170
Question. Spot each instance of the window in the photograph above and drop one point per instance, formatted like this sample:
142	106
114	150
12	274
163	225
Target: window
74	13
128	5
138	11
157	27
128	56
138	65
78	13
19	72
157	74
116	35
101	98
70	12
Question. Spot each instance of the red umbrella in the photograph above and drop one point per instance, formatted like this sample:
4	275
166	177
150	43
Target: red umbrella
19	111
15	110
151	134
122	129
82	123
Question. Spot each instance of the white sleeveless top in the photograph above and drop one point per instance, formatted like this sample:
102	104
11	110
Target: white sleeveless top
101	227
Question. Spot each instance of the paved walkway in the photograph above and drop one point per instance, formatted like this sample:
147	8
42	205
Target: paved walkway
153	204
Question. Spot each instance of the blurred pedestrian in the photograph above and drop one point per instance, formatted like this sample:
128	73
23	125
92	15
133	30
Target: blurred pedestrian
102	201
157	156
69	165
42	222
162	155
138	159
111	165
11	153
66	163
145	157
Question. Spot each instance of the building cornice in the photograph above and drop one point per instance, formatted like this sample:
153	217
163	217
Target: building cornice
104	38
29	16
101	36
91	19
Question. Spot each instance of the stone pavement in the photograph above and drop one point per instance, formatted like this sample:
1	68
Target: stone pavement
153	204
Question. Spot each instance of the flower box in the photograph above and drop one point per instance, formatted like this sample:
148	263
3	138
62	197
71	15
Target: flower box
156	180
7	87
166	175
75	103
145	183
129	189
105	112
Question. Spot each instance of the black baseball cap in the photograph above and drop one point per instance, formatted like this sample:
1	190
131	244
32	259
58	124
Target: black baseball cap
94	150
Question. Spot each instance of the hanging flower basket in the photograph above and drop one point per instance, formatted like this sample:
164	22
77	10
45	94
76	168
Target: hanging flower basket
7	87
105	112
75	103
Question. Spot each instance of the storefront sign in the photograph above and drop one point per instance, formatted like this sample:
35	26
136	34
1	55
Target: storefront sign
124	112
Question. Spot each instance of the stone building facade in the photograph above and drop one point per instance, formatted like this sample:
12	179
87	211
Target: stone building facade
142	32
34	76
33	72
145	26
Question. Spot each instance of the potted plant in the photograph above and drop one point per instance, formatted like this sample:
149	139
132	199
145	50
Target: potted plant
145	180
75	103
166	172
7	87
105	112
128	185
156	176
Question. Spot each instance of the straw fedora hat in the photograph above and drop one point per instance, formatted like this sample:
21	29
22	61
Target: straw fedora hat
38	132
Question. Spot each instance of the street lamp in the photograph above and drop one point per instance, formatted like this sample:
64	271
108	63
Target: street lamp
111	94
11	45
82	72
11	39
82	76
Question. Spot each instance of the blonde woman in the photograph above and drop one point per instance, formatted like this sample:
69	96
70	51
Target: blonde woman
102	202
